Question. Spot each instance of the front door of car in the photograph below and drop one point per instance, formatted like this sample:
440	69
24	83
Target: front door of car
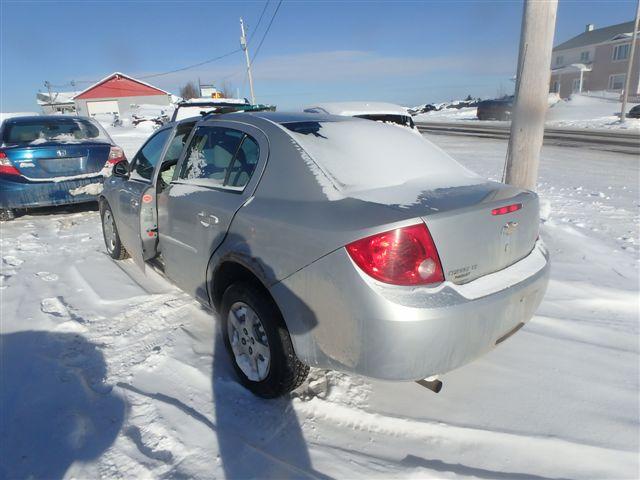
132	190
216	175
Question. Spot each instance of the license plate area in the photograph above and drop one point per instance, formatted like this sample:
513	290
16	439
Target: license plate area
66	166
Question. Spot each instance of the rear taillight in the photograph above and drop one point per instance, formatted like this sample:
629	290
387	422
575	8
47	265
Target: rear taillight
116	154
6	167
404	256
506	209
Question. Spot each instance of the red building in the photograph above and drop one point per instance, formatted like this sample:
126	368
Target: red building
116	94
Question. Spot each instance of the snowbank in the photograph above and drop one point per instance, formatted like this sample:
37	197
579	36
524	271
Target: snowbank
448	115
580	111
583	111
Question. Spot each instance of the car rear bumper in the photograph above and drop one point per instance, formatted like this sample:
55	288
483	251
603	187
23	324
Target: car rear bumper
20	193
341	319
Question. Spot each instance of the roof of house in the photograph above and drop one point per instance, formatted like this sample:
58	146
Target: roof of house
597	35
119	85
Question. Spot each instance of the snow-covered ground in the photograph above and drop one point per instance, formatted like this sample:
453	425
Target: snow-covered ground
107	372
581	111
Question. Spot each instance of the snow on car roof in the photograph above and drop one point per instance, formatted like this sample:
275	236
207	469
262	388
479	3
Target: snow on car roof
357	108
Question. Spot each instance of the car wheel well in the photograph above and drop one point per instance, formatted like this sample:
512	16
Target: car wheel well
229	273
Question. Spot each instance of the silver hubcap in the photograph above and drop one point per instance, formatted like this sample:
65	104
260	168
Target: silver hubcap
109	231
248	341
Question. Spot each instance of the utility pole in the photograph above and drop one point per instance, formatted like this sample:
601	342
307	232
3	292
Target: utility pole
48	85
245	47
532	90
627	79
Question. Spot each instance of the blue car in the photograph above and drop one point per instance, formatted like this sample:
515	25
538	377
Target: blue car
52	160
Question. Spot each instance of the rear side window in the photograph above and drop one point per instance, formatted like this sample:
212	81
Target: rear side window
223	156
146	159
244	164
52	130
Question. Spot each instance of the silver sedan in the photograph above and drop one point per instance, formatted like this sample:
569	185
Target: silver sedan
329	242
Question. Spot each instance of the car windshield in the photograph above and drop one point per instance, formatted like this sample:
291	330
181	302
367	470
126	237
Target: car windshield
363	155
188	111
52	130
404	120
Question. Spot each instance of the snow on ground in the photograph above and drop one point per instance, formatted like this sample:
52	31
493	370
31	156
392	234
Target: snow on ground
581	111
129	137
448	115
108	372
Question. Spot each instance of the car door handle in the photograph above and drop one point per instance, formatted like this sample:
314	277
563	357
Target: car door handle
206	220
203	219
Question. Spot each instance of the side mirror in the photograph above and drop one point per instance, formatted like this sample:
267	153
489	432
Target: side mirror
121	169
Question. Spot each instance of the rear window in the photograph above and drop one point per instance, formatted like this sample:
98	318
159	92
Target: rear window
52	130
364	155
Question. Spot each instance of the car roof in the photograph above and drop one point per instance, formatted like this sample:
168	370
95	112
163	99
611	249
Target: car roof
280	118
358	108
31	118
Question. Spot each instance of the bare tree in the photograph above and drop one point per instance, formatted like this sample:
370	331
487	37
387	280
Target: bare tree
190	90
226	90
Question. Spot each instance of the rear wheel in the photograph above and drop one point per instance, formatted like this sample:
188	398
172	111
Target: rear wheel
6	214
258	342
111	238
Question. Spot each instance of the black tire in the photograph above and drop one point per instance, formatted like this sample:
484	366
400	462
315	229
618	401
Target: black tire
117	250
6	214
286	371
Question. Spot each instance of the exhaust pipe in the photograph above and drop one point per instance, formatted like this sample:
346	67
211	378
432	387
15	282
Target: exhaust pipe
432	383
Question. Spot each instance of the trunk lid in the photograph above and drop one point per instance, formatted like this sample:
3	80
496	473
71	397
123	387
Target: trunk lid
49	161
473	242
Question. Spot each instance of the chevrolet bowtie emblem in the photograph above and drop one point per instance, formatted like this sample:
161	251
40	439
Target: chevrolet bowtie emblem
509	228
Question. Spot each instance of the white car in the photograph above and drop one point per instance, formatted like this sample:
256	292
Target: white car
379	111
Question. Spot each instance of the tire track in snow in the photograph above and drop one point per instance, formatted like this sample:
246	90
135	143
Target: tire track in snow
547	454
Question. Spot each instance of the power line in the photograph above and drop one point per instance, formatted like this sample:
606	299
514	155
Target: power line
266	4
154	75
255	54
211	60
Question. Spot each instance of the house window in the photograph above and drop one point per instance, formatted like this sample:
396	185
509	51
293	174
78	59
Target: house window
555	87
559	60
621	52
616	82
584	57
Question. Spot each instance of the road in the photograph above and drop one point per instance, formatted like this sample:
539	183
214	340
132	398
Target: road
600	139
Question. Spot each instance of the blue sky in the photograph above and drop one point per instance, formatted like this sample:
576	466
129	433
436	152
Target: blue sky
404	52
